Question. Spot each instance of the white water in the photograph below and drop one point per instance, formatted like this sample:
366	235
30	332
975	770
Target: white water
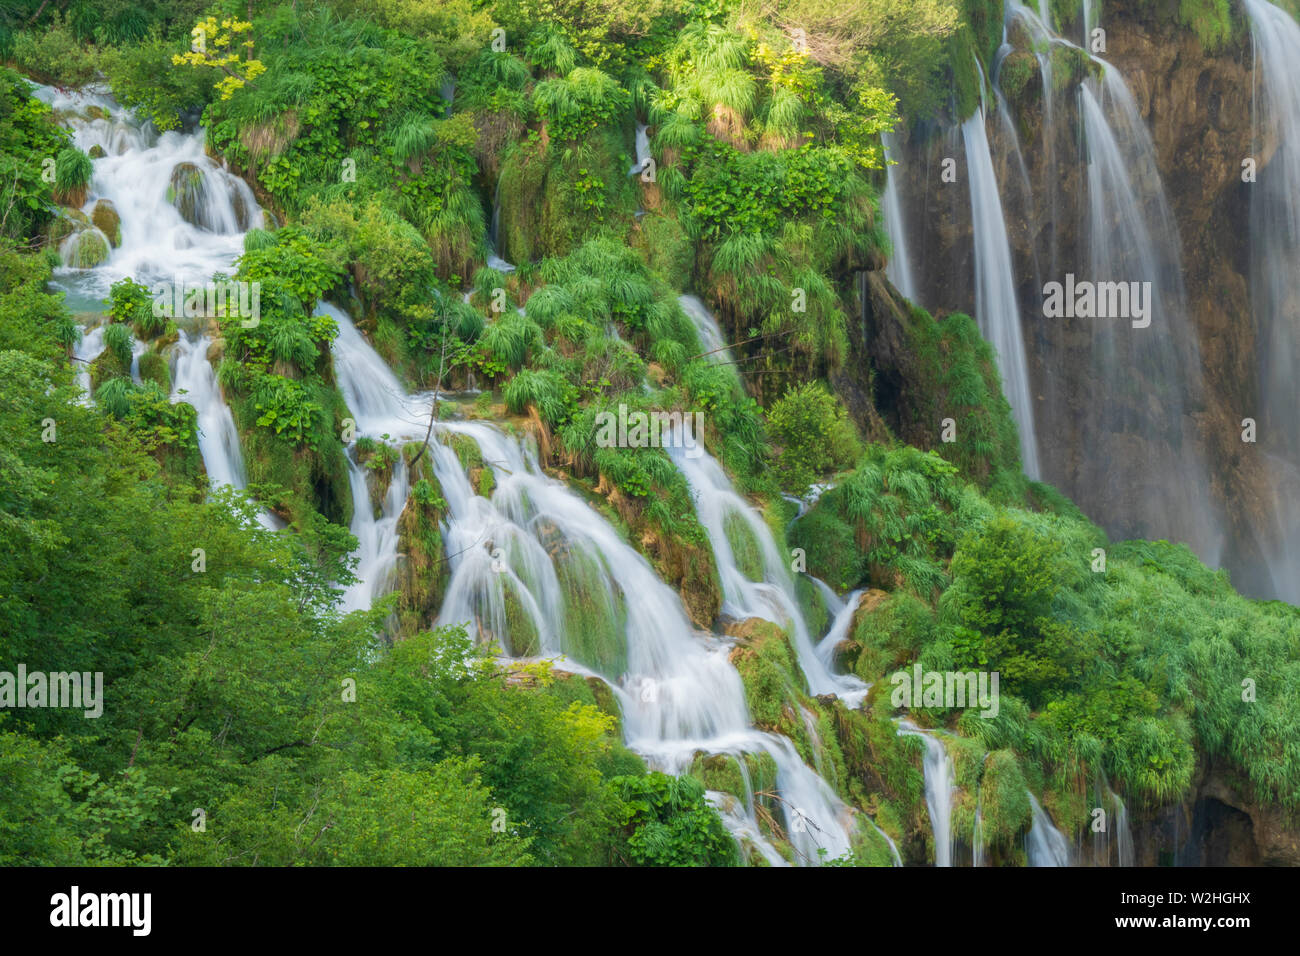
1044	844
940	788
158	245
712	341
773	598
997	308
193	381
1123	833
383	412
642	151
1275	278
899	267
679	693
841	620
88	349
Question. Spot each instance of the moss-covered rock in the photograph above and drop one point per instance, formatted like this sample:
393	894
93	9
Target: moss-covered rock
153	368
106	219
84	249
422	570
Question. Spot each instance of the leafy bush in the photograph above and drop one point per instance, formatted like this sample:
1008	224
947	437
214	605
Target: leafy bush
811	435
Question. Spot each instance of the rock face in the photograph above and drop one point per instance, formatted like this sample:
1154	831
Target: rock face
1119	445
1217	825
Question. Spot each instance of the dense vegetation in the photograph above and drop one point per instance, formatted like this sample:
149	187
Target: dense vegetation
396	145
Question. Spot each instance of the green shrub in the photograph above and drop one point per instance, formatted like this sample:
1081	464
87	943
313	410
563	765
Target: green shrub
811	434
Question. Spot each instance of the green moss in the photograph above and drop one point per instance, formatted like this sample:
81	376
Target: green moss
744	546
890	633
1004	799
423	571
153	368
595	615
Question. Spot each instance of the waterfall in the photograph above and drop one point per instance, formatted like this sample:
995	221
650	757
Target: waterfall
494	260
996	306
135	175
679	694
1275	282
383	412
88	349
940	787
158	245
773	598
712	340
194	381
1123	833
842	619
376	536
1044	845
533	562
642	151
1133	236
899	267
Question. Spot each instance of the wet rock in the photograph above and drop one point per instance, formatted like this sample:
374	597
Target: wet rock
85	249
107	221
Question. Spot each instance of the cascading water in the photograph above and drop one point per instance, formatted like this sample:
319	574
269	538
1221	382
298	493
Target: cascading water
842	613
642	151
706	327
383	412
997	308
1044	844
1123	833
87	350
537	569
195	382
167	235
899	268
940	787
679	694
1275	281
773	598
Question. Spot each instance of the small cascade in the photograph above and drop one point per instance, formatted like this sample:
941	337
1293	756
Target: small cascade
376	536
377	400
383	412
842	613
159	244
1044	844
88	349
997	308
642	151
195	382
773	598
494	261
706	327
145	175
1123	833
899	267
940	788
1275	284
534	553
